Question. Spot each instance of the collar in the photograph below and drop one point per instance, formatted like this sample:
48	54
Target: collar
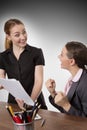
27	48
78	75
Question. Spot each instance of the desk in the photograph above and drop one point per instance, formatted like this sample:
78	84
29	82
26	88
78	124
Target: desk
54	120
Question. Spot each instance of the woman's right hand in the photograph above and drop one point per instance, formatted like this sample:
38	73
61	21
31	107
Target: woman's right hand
51	85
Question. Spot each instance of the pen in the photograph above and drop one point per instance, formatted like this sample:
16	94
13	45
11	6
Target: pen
36	111
17	119
14	117
7	107
24	117
43	122
33	109
11	110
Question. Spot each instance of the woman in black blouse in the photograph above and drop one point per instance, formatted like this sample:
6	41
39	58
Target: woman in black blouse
22	62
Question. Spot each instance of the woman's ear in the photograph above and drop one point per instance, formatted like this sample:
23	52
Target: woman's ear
72	61
8	37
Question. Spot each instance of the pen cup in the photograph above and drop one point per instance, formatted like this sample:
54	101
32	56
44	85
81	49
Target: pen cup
24	126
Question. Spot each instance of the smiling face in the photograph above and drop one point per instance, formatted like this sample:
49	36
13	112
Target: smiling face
18	35
66	62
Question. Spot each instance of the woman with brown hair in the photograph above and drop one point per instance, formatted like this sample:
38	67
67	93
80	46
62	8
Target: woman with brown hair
73	100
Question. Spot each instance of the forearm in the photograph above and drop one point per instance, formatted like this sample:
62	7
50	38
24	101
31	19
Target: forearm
2	75
36	91
51	99
37	82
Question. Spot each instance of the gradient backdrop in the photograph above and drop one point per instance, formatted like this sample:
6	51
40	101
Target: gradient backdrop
50	24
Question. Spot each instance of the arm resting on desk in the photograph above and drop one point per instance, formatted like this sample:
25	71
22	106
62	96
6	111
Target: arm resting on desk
72	110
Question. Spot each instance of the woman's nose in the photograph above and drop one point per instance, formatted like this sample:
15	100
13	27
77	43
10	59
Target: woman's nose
22	36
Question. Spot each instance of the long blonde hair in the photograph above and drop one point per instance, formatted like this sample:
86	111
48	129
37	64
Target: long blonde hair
8	25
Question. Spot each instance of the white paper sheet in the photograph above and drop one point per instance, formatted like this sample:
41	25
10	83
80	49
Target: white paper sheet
15	88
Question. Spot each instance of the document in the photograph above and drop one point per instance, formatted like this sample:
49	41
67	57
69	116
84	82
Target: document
15	88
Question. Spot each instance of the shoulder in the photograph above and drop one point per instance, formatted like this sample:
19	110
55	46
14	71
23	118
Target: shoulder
36	54
4	53
33	49
3	56
83	80
82	86
84	74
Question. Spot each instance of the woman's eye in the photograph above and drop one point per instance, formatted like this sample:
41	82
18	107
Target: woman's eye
17	35
24	32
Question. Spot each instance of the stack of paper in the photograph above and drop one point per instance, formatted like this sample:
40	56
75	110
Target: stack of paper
15	88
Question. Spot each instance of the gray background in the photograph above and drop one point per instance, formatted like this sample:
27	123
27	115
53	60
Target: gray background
50	24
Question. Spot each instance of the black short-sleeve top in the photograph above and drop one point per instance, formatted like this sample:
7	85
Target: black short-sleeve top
22	69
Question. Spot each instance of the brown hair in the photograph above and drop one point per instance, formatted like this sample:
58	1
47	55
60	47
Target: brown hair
8	25
78	51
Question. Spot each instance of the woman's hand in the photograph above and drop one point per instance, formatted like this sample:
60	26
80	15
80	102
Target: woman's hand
23	105
62	100
51	85
20	103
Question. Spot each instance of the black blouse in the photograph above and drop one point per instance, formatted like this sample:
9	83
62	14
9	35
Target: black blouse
22	69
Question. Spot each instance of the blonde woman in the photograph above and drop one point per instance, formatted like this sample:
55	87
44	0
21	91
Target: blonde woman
22	61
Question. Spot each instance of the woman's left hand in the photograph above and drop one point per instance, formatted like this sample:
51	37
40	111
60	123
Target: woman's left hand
62	100
20	103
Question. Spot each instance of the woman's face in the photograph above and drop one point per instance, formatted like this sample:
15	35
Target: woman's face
65	61
18	35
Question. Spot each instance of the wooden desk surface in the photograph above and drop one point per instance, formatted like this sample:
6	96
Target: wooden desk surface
54	120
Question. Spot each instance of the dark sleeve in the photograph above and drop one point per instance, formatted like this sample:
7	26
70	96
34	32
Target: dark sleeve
72	110
77	112
39	58
1	62
51	99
